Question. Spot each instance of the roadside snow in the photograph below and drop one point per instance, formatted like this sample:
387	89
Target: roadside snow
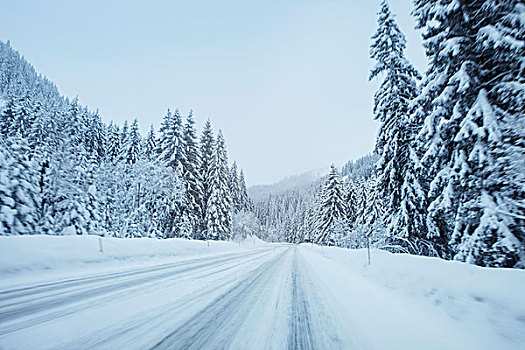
453	303
36	258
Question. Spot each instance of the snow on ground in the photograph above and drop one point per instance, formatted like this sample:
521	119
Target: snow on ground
39	257
435	304
62	293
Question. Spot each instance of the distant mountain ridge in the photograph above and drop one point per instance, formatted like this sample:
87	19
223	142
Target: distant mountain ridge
289	183
361	167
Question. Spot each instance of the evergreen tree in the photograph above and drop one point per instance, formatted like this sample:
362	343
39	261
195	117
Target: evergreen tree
93	205
395	136
134	142
363	192
374	211
332	211
351	199
207	145
150	144
74	125
219	206
95	138
171	143
244	199
114	145
192	176
124	141
409	220
19	195
472	127
235	189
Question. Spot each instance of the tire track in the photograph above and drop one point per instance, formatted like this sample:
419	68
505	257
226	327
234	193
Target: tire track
300	334
69	283
79	297
217	324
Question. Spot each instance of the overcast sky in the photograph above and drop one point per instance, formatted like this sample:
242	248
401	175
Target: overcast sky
285	80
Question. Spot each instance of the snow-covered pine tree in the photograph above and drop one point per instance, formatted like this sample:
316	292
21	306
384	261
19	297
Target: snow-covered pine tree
134	143
114	146
207	151
124	141
409	220
235	188
332	211
313	214
351	199
41	134
109	184
150	145
74	125
19	192
244	199
192	176
219	207
391	109
93	204
179	223
362	193
374	212
471	112
95	137
171	143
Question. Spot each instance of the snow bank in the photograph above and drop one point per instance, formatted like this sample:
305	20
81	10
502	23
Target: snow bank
37	257
488	300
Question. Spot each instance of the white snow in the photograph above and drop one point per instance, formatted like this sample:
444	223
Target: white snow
435	304
39	257
140	293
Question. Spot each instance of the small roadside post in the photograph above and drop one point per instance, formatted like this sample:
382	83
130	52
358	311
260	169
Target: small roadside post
100	247
367	236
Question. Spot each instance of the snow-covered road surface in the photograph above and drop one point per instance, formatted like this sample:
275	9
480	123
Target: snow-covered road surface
252	299
266	297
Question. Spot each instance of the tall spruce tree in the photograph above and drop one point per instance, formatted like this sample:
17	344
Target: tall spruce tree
235	189
192	176
95	137
150	144
124	141
113	145
332	210
244	198
134	143
171	143
20	197
471	112
394	141
219	207
207	151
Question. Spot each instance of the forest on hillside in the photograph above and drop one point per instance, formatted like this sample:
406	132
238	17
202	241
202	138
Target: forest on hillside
64	171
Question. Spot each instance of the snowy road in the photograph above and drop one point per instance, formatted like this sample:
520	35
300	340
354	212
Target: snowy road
255	299
266	297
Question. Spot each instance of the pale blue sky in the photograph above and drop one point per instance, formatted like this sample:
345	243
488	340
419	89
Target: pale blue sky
286	80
